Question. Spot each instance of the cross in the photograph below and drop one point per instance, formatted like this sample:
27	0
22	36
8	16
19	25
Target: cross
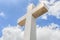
29	20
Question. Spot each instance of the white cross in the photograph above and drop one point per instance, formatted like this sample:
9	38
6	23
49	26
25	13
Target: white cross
29	20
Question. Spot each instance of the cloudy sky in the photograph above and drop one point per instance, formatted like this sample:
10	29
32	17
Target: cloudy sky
47	25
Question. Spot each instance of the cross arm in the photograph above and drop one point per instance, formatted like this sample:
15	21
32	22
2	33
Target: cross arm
21	21
36	12
39	10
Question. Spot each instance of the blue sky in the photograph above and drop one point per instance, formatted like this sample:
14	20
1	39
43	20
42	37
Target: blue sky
11	10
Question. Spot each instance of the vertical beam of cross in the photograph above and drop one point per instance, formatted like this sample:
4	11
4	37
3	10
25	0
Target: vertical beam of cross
30	26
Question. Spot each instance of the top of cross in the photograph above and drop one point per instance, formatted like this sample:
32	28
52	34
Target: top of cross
30	7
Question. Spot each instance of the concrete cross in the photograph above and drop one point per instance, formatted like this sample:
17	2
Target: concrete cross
29	20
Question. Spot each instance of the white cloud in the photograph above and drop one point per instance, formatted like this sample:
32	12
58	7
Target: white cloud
12	33
54	8
49	32
2	14
44	16
0	38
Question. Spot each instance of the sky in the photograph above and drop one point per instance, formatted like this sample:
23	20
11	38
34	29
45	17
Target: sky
12	10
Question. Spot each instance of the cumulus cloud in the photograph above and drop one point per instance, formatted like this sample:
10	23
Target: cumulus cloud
44	17
49	32
54	8
2	14
0	38
12	33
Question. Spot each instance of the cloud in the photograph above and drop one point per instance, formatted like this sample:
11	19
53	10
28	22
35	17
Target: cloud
1	38
44	17
2	14
12	33
49	32
54	8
